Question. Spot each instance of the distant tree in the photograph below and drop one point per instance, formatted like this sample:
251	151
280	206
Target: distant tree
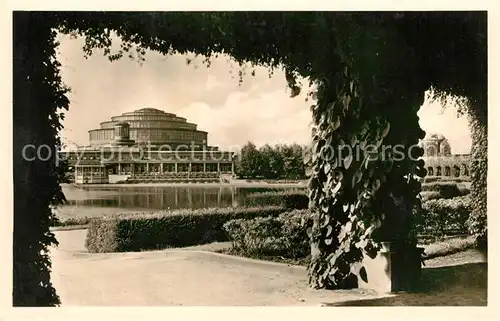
272	162
249	162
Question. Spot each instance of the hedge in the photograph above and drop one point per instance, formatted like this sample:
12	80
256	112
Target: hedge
287	199
148	231
72	221
431	179
284	235
446	189
445	216
430	195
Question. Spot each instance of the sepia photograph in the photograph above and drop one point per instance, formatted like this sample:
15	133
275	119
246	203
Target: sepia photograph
249	158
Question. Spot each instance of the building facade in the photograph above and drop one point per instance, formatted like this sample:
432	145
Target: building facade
148	145
439	160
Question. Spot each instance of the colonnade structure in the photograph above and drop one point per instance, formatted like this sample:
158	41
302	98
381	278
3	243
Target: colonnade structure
439	161
148	145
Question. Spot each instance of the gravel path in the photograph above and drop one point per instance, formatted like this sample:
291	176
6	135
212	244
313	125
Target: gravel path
193	276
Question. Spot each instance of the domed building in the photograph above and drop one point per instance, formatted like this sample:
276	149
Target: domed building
150	126
439	160
149	145
436	145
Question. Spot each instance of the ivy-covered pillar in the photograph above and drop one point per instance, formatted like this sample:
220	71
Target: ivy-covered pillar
478	118
37	97
364	161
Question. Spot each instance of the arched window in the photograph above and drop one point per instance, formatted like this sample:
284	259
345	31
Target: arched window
430	171
465	170
438	171
447	171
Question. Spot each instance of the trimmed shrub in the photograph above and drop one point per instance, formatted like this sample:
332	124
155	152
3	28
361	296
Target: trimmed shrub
430	195
148	231
445	216
288	199
446	189
72	221
431	179
284	235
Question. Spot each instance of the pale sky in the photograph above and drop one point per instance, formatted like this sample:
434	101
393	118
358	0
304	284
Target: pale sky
260	110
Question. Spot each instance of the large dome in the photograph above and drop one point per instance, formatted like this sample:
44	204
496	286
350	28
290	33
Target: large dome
150	125
436	145
434	136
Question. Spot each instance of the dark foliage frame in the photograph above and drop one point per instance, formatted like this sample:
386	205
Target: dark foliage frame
369	71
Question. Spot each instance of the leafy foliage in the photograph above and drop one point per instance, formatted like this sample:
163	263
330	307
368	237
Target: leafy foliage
287	199
445	216
284	235
38	95
446	189
147	231
369	71
271	162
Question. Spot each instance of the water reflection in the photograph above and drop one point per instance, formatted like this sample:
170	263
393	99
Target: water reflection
108	199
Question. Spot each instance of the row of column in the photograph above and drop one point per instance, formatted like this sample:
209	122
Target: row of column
147	169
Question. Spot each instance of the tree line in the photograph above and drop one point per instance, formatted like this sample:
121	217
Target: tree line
271	162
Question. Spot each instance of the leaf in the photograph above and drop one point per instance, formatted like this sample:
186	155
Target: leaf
328	241
347	161
337	188
339	175
327	168
309	231
361	244
386	129
345	207
336	123
329	230
326	221
356	178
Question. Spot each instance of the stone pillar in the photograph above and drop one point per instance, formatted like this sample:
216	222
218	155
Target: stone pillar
147	168
232	169
218	167
119	168
161	168
204	167
175	169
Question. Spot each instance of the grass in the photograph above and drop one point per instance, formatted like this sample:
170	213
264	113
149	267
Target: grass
449	246
442	248
266	257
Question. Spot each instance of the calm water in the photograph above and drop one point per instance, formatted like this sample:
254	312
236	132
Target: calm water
108	200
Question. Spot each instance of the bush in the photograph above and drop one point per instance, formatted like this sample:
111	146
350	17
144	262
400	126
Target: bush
431	179
147	231
72	221
430	195
288	199
445	216
285	235
446	189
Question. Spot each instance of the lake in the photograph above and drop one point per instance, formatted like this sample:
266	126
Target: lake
102	200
